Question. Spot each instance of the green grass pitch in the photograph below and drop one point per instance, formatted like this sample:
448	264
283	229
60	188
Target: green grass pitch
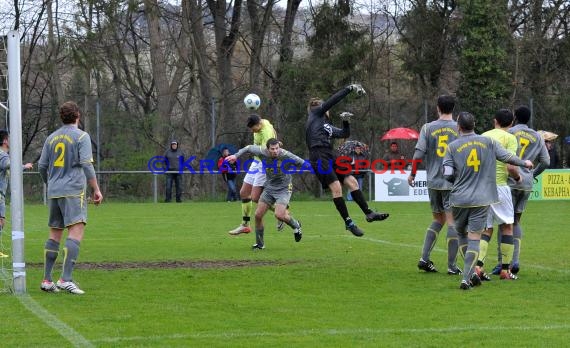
329	290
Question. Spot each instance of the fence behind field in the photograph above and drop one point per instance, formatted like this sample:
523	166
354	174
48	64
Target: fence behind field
145	186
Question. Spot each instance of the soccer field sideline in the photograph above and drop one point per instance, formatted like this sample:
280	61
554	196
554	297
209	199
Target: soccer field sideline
334	332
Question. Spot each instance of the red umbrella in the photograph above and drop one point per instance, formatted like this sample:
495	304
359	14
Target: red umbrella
401	133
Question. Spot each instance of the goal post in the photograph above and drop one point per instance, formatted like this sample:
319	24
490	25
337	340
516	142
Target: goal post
16	169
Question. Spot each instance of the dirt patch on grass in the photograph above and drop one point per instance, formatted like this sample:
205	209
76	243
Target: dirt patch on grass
170	264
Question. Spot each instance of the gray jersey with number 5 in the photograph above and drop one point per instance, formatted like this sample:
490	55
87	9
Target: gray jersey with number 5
432	145
66	151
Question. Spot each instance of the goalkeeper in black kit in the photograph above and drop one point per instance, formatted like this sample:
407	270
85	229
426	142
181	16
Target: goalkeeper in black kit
319	134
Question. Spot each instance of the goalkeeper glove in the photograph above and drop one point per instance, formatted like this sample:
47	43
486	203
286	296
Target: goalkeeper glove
345	116
356	87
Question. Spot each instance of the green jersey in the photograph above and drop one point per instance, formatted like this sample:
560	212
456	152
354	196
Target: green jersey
431	148
65	156
471	162
530	147
265	133
509	142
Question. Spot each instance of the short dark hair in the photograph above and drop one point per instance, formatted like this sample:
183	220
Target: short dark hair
252	120
466	120
504	117
393	143
4	135
446	103
69	112
271	142
522	114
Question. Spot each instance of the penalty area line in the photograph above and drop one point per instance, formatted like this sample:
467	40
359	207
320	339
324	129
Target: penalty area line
327	332
412	246
74	337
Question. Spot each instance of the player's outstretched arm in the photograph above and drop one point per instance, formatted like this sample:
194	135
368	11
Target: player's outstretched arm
340	133
506	157
335	98
291	156
251	149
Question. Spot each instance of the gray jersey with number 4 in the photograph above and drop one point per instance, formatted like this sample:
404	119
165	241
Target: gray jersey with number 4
431	147
64	154
473	159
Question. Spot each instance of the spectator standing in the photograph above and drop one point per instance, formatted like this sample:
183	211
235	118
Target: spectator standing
229	175
173	155
393	154
554	162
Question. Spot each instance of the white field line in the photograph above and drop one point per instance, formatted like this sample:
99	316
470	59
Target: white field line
74	337
332	332
417	247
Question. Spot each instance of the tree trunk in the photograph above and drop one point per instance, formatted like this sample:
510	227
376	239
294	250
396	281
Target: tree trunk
193	26
259	26
160	77
285	57
52	68
225	44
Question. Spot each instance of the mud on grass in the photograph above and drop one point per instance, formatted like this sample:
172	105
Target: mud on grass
204	264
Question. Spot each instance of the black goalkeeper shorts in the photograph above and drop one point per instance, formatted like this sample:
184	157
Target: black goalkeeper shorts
324	163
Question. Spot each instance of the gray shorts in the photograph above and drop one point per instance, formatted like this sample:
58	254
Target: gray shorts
67	211
439	200
282	196
470	219
520	198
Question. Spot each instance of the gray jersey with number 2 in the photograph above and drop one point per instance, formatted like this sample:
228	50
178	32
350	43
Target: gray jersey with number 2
66	151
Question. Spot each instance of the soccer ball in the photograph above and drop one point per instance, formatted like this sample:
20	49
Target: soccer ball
252	101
